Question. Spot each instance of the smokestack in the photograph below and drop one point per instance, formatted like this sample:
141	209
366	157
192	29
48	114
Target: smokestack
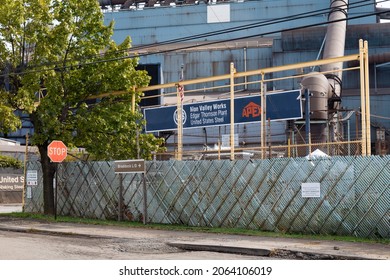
335	45
326	89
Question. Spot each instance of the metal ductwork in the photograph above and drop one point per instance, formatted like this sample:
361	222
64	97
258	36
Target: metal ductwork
326	89
319	88
335	45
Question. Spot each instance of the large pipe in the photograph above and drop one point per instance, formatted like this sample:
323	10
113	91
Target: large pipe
326	90
318	86
334	47
335	44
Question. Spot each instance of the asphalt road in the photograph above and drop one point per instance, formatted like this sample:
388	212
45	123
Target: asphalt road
35	239
42	246
28	239
35	246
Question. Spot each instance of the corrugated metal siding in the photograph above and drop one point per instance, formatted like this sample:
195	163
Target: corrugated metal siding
209	63
160	24
379	113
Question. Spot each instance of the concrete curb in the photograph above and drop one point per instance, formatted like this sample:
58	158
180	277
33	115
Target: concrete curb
276	253
51	232
222	249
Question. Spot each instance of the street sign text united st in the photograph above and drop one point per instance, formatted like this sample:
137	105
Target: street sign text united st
130	166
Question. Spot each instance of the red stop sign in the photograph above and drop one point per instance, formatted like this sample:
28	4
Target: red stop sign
57	151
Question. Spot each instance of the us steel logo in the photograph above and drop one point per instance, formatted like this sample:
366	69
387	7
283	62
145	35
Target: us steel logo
251	110
183	116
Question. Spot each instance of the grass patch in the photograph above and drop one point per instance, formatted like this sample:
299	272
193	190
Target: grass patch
175	227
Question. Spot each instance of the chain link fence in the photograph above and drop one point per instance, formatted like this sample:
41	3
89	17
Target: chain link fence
254	194
342	148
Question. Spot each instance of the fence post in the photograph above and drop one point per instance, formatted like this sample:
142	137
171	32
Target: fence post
25	174
367	102
232	72
269	139
263	115
179	125
307	121
145	199
362	98
120	203
289	147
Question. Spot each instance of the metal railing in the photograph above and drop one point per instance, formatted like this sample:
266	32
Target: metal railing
343	148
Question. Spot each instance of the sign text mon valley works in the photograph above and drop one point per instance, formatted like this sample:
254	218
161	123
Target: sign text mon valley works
285	105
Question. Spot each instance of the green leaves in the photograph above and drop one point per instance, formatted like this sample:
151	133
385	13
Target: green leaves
8	121
6	161
60	54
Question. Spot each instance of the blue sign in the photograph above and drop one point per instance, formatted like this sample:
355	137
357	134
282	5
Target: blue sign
280	106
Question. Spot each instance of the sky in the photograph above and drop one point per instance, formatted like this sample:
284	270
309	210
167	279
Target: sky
384	4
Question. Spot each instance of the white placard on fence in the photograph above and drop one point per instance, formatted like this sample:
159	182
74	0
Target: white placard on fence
311	189
32	177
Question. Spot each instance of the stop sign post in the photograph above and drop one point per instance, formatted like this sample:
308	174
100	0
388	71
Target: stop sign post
57	151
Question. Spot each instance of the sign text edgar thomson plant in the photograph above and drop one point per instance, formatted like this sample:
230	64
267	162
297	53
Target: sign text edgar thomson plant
280	106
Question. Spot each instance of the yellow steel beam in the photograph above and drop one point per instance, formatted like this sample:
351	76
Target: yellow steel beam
298	65
236	75
263	116
232	72
254	72
239	74
367	92
362	99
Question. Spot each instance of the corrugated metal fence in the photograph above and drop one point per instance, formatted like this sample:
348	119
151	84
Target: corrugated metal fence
253	194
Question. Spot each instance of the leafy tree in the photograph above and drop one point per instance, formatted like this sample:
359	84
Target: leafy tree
6	161
60	53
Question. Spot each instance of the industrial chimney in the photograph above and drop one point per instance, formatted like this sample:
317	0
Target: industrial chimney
326	88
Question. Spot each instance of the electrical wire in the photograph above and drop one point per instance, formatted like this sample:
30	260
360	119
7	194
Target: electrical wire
252	36
207	34
225	31
380	117
249	26
253	25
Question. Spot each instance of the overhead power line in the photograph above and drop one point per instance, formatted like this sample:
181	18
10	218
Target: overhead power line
203	35
251	26
264	23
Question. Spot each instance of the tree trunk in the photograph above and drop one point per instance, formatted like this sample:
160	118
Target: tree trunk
48	169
